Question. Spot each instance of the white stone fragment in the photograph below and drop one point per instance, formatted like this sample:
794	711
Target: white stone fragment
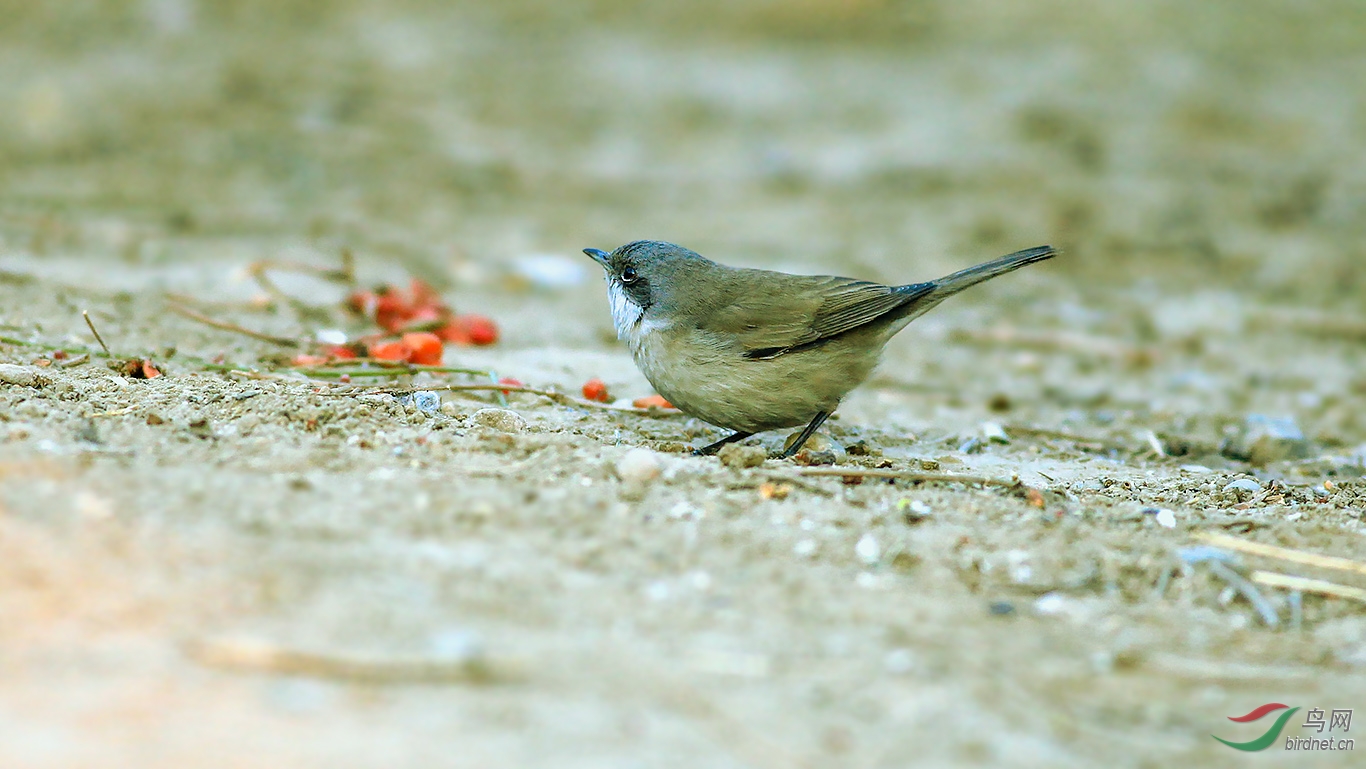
868	550
1050	604
639	466
994	432
21	376
1244	484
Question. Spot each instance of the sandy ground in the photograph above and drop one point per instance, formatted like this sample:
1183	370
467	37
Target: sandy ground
213	569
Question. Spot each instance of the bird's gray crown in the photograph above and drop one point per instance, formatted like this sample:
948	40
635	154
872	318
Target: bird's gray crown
650	273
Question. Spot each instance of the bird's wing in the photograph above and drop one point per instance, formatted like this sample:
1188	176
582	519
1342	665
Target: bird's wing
806	312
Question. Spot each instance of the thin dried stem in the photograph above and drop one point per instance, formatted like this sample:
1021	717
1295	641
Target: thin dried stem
1306	585
233	327
1283	553
76	361
1248	591
86	314
385	368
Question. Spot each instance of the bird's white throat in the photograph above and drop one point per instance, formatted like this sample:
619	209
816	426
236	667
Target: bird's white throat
625	313
628	317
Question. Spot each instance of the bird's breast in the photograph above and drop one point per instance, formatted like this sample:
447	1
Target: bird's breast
710	379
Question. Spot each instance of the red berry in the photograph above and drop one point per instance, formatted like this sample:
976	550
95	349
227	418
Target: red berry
455	332
338	351
390	351
425	346
391	311
596	390
481	330
652	402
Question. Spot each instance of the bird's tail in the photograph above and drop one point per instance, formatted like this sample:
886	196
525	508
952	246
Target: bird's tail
930	294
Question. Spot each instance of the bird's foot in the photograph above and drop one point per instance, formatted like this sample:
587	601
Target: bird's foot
711	449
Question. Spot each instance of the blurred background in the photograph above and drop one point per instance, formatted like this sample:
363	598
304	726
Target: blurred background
1184	145
1202	164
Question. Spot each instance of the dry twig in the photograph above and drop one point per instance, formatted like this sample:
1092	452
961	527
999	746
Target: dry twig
1306	585
1282	553
383	368
233	327
86	314
1247	590
76	361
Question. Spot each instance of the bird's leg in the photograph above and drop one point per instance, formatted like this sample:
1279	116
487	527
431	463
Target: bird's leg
810	430
707	451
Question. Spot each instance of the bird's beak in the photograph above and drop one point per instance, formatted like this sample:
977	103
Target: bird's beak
598	255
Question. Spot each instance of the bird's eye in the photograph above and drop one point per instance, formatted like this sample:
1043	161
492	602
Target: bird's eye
628	275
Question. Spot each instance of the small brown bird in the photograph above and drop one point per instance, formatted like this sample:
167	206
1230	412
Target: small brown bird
755	350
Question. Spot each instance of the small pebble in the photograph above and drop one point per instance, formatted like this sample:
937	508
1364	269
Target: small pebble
737	456
639	466
862	449
1163	516
1203	553
810	458
427	401
22	376
868	580
913	510
771	490
1050	604
1244	484
817	442
994	433
500	419
868	550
